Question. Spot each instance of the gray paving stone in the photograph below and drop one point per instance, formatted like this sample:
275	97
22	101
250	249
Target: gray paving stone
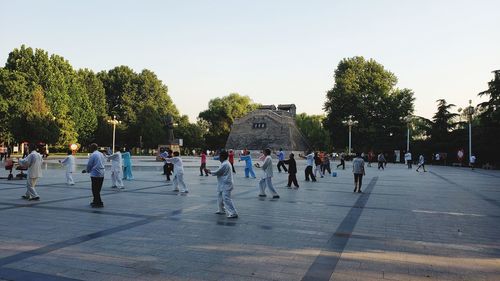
439	225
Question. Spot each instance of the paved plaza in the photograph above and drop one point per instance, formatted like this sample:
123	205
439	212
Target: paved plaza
440	225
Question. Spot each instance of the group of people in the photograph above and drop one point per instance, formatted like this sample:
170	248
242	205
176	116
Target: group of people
316	163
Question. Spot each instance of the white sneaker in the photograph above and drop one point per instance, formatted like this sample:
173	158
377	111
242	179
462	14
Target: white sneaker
185	191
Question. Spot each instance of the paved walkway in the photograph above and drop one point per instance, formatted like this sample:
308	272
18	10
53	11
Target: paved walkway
439	225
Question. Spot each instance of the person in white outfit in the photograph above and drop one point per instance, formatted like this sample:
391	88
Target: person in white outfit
178	173
267	168
116	168
224	187
69	163
34	164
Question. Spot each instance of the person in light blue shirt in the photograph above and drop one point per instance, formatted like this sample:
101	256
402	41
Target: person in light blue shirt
95	167
248	164
281	159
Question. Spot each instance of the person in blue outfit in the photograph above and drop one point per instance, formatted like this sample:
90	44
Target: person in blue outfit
281	159
248	164
127	165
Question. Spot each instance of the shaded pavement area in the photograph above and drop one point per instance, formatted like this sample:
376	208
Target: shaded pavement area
438	225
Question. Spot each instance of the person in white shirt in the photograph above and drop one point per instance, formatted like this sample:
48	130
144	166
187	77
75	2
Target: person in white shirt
472	161
421	163
408	159
69	163
309	165
266	180
116	168
178	173
224	187
34	164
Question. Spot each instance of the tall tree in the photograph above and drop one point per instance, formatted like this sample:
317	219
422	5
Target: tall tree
365	90
220	115
443	122
311	126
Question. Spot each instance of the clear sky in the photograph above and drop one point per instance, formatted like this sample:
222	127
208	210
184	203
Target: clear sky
273	51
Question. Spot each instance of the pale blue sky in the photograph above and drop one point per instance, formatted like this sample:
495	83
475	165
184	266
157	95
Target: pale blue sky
273	51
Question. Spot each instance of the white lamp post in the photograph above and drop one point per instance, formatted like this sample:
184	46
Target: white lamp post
469	112
349	122
408	119
114	121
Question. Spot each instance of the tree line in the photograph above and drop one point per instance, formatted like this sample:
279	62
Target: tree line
44	99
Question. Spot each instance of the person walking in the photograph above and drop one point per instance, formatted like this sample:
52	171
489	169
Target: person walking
69	163
292	171
248	164
266	180
116	169
32	161
472	161
203	165
231	160
342	161
127	165
421	163
309	165
381	160
281	159
95	167
178	173
408	159
225	185
358	169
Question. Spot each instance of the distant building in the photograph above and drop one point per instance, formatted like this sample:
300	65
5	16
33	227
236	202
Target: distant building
267	127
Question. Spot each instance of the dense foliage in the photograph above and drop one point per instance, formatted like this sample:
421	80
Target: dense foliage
365	90
220	115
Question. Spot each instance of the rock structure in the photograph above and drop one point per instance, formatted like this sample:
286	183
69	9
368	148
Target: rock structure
267	127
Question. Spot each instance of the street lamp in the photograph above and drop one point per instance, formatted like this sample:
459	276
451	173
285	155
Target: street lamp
469	112
408	119
114	121
349	122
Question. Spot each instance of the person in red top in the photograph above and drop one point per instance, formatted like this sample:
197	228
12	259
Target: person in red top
203	166
231	159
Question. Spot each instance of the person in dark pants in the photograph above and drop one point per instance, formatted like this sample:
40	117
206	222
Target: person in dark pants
309	165
342	161
281	159
381	161
231	160
292	171
325	165
358	169
95	167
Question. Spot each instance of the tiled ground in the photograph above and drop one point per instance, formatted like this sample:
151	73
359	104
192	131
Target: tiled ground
439	225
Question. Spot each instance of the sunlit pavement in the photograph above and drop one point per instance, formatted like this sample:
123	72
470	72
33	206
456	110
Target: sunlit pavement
440	225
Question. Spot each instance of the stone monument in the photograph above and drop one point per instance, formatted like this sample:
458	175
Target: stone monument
267	127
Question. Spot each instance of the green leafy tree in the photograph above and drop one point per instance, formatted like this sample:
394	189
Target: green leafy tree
221	114
129	94
94	89
365	90
443	122
193	134
311	126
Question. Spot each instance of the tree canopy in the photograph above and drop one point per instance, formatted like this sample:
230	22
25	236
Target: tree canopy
43	99
220	115
367	91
